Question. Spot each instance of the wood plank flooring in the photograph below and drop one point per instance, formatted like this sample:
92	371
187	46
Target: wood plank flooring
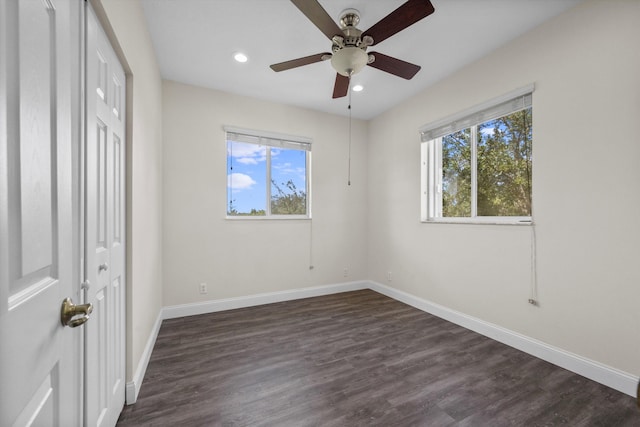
356	359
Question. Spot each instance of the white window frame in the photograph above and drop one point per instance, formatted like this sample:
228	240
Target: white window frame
277	140
431	157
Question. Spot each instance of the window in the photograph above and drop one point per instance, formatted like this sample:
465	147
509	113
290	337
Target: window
476	165
267	175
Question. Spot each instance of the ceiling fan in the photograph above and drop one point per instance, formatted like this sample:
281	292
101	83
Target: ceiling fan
349	50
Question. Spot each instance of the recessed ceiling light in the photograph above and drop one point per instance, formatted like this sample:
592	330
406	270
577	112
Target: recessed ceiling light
240	57
358	88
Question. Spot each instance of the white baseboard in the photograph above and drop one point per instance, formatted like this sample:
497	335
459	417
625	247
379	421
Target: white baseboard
611	377
173	311
133	387
603	374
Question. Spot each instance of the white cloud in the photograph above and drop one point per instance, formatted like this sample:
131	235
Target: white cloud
288	169
248	154
240	181
283	167
248	160
488	131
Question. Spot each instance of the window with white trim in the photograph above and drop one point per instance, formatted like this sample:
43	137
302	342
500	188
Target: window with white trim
267	175
476	165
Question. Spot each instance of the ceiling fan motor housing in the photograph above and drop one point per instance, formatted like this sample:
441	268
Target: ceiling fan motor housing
349	52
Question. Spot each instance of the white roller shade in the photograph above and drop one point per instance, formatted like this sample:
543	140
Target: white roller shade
268	138
498	107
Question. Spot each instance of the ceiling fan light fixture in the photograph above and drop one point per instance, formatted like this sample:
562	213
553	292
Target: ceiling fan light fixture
349	61
358	88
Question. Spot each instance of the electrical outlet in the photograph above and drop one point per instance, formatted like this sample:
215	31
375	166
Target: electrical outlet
203	288
345	272
388	276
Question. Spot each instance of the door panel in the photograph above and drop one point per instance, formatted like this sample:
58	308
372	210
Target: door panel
40	360
104	233
36	56
34	190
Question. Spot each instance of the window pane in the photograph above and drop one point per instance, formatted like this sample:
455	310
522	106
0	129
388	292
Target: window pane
456	174
288	182
504	165
246	179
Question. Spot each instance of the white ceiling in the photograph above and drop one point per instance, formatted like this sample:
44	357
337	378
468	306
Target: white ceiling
195	41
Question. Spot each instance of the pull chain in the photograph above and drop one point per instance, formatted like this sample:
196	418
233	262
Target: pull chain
349	163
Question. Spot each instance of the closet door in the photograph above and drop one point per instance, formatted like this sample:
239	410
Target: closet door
104	229
40	359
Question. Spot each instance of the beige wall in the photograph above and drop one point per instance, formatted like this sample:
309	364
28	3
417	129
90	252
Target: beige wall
585	65
144	170
247	257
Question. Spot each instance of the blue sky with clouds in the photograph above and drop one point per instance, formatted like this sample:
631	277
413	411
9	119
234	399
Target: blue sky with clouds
247	173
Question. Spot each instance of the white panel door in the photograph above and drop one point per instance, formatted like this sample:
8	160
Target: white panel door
104	229
40	360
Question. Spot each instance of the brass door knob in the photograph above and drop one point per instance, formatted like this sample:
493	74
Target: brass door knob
69	311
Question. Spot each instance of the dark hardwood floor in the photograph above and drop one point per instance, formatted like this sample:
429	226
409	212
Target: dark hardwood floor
356	359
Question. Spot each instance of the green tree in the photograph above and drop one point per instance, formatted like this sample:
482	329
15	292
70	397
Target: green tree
503	168
456	174
232	211
287	199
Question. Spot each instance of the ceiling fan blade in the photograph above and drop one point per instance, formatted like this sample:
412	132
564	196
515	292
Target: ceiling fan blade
341	87
287	65
320	18
394	66
407	14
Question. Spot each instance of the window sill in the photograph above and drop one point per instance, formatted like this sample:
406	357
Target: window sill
267	218
517	221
